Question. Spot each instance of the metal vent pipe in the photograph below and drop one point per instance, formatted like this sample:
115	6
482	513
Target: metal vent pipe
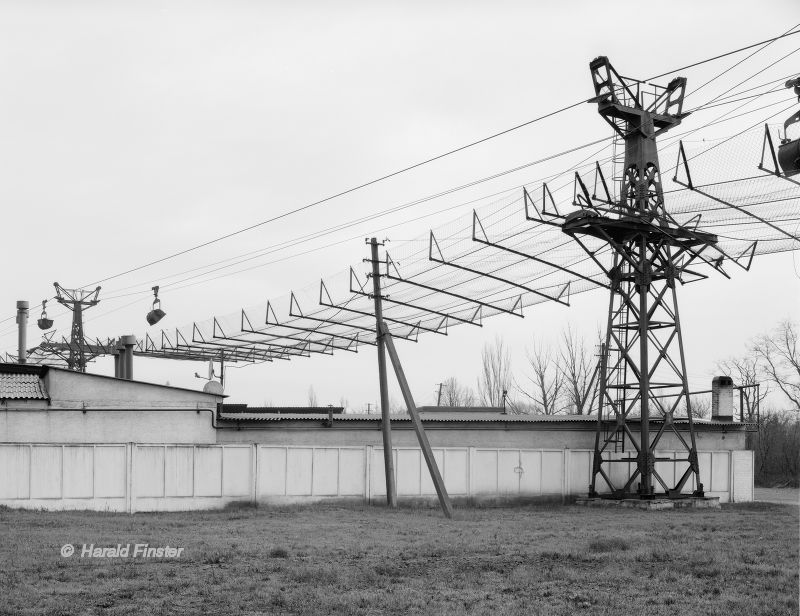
22	322
126	359
128	342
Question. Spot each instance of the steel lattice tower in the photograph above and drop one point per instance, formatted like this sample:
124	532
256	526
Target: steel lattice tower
643	367
76	300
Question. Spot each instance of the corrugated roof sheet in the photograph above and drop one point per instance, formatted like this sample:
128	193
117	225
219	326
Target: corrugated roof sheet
239	409
454	417
22	387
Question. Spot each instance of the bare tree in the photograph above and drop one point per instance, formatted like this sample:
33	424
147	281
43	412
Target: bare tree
746	372
578	371
312	396
456	394
546	381
700	403
780	360
395	407
495	375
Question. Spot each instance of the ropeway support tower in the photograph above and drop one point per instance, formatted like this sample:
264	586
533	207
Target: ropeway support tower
77	300
643	367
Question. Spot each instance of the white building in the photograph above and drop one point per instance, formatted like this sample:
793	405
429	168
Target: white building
82	441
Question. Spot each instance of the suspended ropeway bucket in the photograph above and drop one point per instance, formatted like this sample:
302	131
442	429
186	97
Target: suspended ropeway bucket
789	149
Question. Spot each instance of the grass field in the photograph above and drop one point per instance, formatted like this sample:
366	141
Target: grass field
742	559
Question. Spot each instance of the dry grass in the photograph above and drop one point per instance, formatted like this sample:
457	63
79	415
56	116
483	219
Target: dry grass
367	560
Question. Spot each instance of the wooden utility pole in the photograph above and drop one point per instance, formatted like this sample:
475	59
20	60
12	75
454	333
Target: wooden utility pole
386	426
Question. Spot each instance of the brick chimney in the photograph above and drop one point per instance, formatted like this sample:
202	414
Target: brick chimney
722	398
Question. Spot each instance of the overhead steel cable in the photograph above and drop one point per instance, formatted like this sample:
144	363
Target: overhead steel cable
405	169
445	154
315	236
339	194
385	212
789	32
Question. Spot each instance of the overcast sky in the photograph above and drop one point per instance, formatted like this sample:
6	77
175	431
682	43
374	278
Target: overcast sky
132	130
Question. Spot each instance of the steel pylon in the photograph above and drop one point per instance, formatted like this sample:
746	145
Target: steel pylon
643	374
76	300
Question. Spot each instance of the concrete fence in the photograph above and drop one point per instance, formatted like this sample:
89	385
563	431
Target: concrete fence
134	477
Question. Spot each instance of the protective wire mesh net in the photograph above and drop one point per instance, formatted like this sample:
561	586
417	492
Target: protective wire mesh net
503	258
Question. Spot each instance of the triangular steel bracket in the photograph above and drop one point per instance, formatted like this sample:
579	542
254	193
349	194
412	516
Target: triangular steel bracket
443	325
518	305
529	202
354	276
195	334
776	170
391	263
683	162
270	312
323	293
353	343
293	303
598	174
216	327
546	194
694	219
165	337
580	198
431	243
246	319
477	224
566	289
477	316
749	253
179	336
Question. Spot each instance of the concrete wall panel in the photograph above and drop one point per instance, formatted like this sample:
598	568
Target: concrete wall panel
299	468
352	471
484	468
110	474
271	471
409	467
377	472
79	471
720	471
237	470
508	472
179	471
456	471
176	477
742	473
426	483
530	482
580	472
208	471
149	471
15	469
552	472
325	481
46	471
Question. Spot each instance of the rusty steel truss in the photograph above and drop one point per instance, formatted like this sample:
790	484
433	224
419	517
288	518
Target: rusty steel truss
643	366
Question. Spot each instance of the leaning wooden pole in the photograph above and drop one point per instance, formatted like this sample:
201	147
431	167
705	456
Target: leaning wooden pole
433	468
386	426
